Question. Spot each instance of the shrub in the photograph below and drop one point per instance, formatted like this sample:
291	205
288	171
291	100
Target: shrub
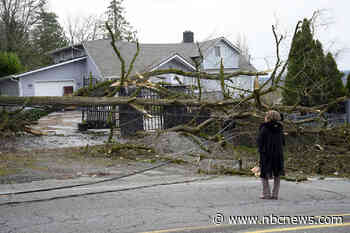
9	64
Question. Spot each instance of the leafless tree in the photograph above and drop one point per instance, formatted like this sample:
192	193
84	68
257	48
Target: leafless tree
81	29
16	19
242	44
322	20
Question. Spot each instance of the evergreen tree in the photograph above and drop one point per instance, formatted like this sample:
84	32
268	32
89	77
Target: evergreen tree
16	21
121	27
47	35
333	84
312	77
9	64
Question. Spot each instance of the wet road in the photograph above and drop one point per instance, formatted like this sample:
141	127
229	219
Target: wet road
146	203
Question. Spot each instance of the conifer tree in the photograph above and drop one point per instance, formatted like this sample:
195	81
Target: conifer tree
312	78
9	64
116	19
47	35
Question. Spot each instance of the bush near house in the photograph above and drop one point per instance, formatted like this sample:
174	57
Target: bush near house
9	64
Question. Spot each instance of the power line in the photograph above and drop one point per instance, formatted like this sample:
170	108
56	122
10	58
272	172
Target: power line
105	191
85	184
102	181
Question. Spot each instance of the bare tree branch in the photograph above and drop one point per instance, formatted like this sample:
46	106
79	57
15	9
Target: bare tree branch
82	29
116	50
131	66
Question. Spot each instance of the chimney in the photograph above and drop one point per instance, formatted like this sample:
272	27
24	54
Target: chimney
188	37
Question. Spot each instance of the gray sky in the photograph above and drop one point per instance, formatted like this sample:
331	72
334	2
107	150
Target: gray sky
163	21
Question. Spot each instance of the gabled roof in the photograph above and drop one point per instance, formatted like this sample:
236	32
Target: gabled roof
150	56
47	67
177	57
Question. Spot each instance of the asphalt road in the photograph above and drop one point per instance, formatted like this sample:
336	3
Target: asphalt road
149	203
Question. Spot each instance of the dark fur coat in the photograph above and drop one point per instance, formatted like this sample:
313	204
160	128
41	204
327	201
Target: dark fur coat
270	142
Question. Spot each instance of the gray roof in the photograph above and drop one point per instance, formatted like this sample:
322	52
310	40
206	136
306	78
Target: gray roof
150	55
80	46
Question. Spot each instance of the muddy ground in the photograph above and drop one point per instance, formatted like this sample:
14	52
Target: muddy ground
65	153
70	163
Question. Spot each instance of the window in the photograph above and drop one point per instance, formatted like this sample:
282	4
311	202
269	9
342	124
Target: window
217	51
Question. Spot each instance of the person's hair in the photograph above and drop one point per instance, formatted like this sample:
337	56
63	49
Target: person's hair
273	115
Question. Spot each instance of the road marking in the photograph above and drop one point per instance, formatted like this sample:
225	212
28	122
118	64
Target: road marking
299	228
259	231
190	228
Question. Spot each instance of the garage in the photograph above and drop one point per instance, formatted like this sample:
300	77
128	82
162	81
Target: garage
54	88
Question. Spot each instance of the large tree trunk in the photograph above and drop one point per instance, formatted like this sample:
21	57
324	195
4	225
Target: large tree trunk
88	101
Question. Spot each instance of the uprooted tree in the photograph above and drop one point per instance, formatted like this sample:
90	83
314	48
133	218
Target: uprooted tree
247	111
252	98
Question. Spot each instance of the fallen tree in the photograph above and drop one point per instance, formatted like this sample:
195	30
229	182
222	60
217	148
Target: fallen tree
228	108
15	122
327	148
88	101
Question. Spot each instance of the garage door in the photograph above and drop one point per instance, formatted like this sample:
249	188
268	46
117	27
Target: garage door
51	88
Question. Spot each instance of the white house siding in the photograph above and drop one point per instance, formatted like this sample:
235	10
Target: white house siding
170	78
230	57
72	71
211	88
242	82
9	88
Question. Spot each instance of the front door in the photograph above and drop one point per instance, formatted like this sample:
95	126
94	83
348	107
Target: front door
67	90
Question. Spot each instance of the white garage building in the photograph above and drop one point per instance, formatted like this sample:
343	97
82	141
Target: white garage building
56	80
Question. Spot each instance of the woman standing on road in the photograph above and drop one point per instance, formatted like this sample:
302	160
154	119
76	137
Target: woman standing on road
271	142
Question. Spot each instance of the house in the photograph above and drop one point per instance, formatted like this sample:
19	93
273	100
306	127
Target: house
347	103
74	64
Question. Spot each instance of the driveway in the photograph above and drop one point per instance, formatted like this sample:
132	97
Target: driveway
61	131
60	123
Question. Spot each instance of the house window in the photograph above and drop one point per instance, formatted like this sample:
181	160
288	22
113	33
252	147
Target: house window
217	51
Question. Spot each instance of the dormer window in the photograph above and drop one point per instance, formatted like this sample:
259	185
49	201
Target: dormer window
217	51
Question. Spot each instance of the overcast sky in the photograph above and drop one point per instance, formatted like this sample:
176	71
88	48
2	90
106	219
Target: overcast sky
163	21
